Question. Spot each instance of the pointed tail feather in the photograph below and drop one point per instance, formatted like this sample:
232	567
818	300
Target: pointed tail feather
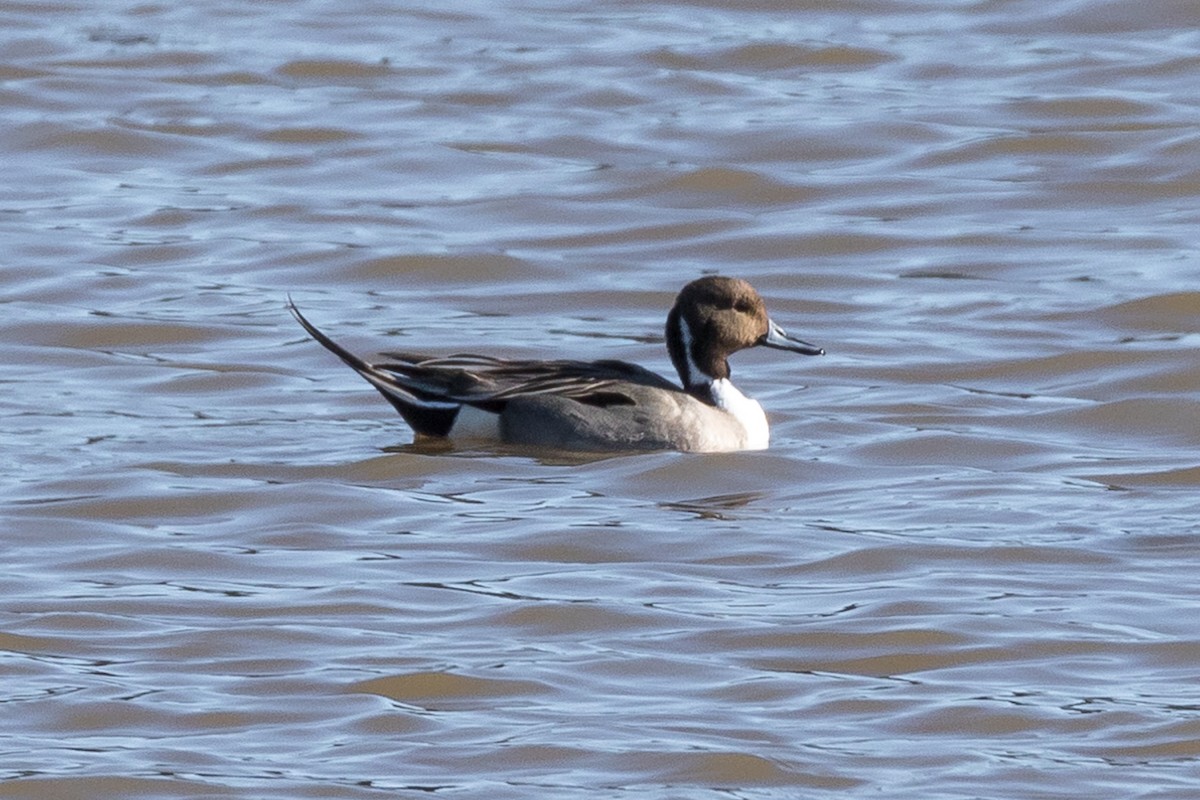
426	417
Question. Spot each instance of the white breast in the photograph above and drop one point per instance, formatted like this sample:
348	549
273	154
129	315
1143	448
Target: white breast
746	411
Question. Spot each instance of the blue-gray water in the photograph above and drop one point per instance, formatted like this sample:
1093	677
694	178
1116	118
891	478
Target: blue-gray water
965	569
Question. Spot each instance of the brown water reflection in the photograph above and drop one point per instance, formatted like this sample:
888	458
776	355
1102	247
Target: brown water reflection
965	568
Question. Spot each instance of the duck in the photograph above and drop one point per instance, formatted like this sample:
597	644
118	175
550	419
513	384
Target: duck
595	406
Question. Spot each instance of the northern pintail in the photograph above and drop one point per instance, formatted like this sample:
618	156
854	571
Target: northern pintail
595	405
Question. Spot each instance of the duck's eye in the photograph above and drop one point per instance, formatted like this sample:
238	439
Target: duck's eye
744	306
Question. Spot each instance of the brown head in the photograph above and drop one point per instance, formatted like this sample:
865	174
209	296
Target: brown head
714	317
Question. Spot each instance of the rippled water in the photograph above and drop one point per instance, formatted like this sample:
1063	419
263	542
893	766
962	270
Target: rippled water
966	568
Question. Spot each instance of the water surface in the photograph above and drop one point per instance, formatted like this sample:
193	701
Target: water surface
965	568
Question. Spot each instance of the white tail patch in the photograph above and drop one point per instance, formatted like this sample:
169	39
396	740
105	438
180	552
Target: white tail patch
475	423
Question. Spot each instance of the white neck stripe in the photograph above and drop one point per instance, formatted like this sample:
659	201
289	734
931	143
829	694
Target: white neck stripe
689	361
